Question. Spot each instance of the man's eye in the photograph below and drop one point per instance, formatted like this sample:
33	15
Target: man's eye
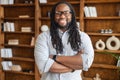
65	13
58	13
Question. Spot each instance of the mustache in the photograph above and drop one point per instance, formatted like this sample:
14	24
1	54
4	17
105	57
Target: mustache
62	27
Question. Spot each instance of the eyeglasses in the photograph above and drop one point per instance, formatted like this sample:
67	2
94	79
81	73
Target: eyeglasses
59	13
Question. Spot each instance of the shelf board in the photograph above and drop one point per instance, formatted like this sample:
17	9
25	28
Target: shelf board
17	5
105	1
52	3
44	18
103	34
20	45
19	59
18	32
17	18
102	18
113	51
87	78
48	18
106	66
19	72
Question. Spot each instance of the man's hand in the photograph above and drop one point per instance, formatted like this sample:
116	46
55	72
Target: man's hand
51	56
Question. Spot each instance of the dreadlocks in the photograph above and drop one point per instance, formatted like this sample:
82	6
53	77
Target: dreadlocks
74	37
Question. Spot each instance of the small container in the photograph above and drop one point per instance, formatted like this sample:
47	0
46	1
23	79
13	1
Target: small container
102	31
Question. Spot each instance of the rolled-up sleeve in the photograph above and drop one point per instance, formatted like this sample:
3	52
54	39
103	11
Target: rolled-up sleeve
41	54
88	55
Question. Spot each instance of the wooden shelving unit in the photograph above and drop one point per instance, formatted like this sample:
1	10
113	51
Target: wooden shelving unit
1	41
107	18
23	54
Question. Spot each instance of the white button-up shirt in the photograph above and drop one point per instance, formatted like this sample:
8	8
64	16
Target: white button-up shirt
43	48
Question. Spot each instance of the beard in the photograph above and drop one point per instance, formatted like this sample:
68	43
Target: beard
65	27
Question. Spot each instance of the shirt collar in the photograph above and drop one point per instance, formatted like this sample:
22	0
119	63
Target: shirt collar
61	32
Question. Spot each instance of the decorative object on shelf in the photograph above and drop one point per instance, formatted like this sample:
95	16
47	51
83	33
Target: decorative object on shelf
24	16
32	41
44	28
102	31
119	13
100	45
78	25
97	77
109	43
106	31
27	70
31	2
16	68
48	13
110	31
26	2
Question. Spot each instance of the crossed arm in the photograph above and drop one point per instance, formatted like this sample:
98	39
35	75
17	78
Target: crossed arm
67	63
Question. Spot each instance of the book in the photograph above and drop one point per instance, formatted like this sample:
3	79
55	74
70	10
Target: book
94	11
2	53
4	1
90	11
26	29
8	26
86	11
9	52
24	16
6	65
4	27
6	52
11	2
43	1
13	42
12	27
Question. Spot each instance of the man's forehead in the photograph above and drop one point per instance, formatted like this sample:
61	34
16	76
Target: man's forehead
62	6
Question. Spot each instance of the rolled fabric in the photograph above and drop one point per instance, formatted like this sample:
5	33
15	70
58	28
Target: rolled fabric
44	28
100	45
115	40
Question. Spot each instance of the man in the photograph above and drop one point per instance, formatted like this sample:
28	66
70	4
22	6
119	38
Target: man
62	52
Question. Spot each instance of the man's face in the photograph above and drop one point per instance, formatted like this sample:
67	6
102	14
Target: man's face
63	15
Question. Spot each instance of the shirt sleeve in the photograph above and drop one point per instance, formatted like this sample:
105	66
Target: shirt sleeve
41	54
88	55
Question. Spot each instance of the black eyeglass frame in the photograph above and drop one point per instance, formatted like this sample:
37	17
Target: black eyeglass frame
65	13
